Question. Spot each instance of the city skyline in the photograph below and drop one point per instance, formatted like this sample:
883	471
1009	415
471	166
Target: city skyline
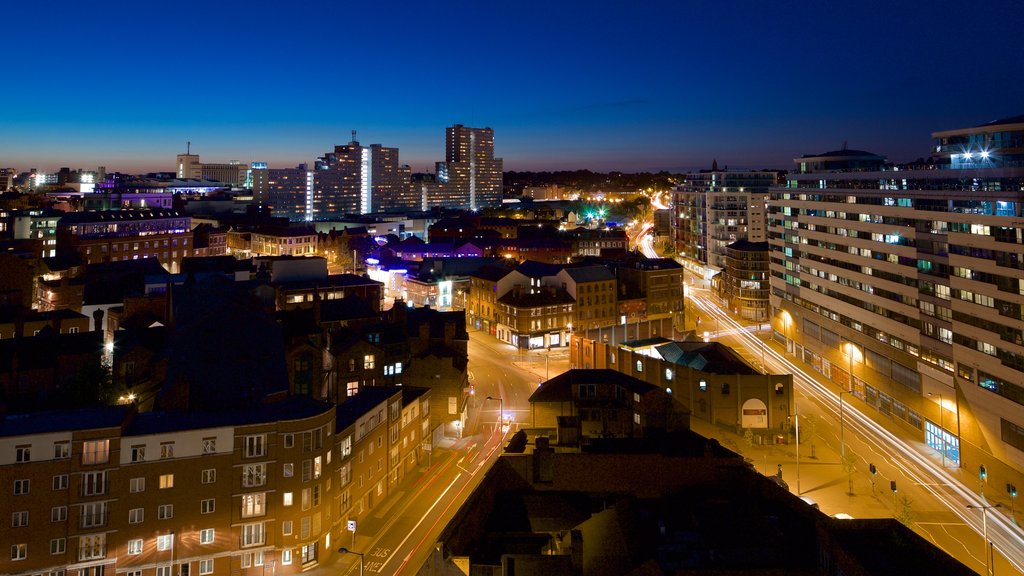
650	87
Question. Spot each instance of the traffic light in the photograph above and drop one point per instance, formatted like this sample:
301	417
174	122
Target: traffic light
982	473
1011	490
872	468
892	486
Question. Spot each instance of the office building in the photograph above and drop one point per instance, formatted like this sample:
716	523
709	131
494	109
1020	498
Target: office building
904	286
188	166
470	170
714	208
233	173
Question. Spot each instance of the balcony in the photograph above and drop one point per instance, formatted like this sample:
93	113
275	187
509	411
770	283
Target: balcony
93	520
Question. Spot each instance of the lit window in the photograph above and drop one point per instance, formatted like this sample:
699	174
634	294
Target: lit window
166	481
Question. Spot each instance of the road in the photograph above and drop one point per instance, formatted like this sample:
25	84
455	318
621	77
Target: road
938	498
400	534
934	498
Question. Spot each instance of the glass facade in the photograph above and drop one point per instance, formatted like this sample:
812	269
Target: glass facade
943	441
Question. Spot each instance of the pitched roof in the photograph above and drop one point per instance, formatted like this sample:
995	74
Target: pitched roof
590	273
534	269
710	357
559	388
537	299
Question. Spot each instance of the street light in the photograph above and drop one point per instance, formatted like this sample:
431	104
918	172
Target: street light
347	551
850	349
984	524
787	320
942	430
842	441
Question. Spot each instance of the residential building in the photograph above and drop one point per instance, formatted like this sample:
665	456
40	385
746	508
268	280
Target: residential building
903	286
745	284
7	176
658	283
39	226
290	241
714	208
287	192
356	179
106	490
594	290
470	170
537	318
482	300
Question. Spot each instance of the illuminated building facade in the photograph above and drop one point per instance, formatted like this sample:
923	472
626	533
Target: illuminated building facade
119	235
108	490
470	170
713	209
287	192
906	287
355	179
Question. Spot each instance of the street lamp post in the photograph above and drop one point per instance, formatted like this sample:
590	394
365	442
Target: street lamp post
347	551
842	438
501	414
787	320
984	524
796	421
942	430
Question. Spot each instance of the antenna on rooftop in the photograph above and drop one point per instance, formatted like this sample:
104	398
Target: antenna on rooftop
353	135
844	145
188	147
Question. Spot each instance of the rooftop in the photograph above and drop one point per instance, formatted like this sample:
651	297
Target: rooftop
63	420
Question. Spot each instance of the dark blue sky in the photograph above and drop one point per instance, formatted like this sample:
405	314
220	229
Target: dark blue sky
632	85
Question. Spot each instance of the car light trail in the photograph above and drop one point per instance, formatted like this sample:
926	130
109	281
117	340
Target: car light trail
1006	537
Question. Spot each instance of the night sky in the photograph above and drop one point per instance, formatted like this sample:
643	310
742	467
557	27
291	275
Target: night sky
628	86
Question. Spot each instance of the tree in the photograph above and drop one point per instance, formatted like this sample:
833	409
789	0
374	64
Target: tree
904	513
849	463
809	424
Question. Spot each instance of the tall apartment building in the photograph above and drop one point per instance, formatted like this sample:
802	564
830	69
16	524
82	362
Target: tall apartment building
119	235
108	490
906	287
714	208
470	169
287	192
362	179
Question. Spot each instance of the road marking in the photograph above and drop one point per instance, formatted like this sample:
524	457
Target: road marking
424	517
